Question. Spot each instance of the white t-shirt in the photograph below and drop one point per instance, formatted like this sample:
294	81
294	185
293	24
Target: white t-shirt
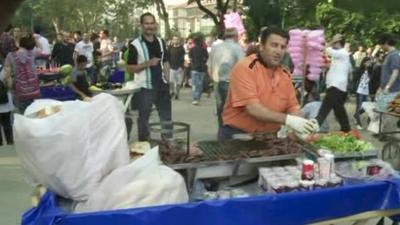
363	86
222	58
106	47
44	45
339	70
85	49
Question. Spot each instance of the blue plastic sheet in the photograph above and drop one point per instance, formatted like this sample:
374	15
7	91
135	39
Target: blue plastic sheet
118	76
60	93
290	208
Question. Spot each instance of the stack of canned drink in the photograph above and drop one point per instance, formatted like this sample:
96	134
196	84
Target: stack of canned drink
289	179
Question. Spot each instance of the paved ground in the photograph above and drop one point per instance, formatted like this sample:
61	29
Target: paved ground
15	193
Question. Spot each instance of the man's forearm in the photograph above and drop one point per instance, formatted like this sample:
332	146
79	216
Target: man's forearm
209	72
166	68
138	68
298	113
264	114
77	91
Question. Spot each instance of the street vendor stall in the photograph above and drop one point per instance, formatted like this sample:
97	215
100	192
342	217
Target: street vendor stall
264	202
389	110
51	83
291	208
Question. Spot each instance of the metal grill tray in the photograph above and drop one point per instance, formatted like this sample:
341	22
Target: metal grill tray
214	149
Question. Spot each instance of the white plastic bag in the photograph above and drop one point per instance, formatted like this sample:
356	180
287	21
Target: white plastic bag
373	125
145	182
71	151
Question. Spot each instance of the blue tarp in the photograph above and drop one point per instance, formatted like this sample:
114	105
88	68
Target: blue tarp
290	208
118	76
61	93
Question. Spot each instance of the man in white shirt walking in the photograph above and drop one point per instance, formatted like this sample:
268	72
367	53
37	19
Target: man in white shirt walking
220	63
85	48
106	50
42	48
336	82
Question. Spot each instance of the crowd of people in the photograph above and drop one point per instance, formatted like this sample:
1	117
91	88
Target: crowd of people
252	82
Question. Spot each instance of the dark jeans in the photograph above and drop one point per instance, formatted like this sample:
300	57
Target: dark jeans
226	132
105	70
5	122
359	99
334	99
91	71
161	98
221	93
197	84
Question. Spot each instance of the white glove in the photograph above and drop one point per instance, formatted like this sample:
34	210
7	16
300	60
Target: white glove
300	125
316	125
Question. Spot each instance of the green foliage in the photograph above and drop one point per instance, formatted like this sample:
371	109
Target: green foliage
197	35
251	28
360	27
90	15
361	21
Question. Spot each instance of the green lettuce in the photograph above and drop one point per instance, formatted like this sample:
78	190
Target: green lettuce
342	144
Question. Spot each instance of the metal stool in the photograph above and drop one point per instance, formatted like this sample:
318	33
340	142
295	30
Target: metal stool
168	130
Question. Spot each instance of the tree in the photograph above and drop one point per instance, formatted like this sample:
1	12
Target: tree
218	17
7	10
161	11
359	27
367	6
163	14
359	21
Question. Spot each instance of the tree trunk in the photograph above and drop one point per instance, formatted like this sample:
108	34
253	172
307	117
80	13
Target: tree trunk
234	5
83	20
7	10
163	14
217	19
56	25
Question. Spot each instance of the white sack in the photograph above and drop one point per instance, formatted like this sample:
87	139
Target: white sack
71	151
145	182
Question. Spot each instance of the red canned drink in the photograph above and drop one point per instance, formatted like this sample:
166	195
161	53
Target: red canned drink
307	171
373	170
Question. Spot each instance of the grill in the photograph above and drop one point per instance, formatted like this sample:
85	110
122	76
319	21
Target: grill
235	151
215	150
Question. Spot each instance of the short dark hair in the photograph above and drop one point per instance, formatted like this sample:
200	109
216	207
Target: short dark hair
78	32
146	14
105	32
27	41
93	37
81	59
342	42
387	39
37	29
198	41
265	33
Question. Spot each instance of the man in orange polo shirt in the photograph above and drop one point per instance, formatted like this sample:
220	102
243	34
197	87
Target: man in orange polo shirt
261	95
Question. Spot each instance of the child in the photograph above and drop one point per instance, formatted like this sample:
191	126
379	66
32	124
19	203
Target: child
79	82
362	91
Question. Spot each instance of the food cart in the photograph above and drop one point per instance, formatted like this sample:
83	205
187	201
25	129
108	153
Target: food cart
391	148
380	198
352	202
